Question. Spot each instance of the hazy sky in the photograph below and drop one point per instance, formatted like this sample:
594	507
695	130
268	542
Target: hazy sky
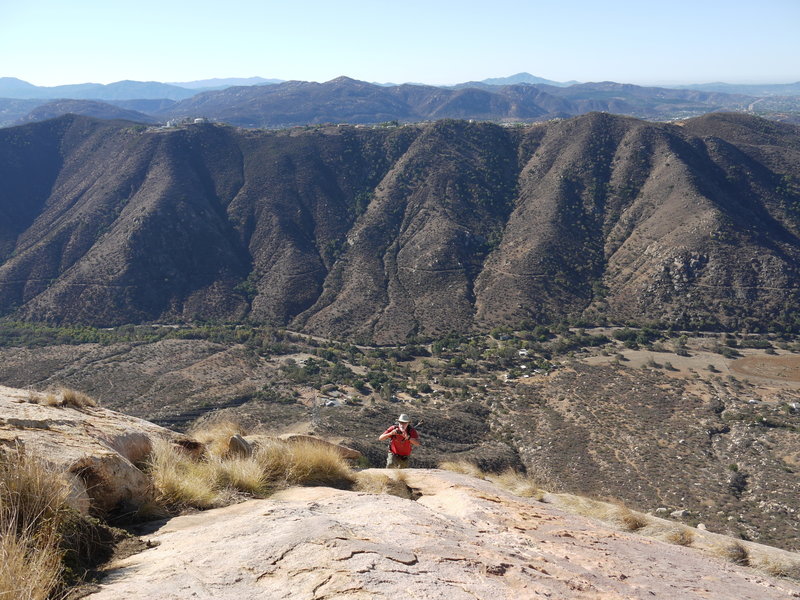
52	42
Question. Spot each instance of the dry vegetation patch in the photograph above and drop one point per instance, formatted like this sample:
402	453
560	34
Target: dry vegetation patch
307	463
372	482
515	482
32	511
217	477
62	397
216	436
179	480
45	545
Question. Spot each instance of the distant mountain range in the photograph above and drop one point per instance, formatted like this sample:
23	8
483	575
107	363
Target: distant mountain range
781	89
345	100
209	84
263	103
389	232
524	78
11	87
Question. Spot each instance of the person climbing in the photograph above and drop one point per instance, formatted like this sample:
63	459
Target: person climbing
404	437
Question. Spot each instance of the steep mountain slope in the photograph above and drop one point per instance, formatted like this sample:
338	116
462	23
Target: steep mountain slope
389	232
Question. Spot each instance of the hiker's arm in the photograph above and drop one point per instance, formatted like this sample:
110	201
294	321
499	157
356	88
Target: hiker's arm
387	434
414	441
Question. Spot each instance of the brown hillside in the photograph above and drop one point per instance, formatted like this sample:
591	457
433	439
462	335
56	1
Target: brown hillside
386	233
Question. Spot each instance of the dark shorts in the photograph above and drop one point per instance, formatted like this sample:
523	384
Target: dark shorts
395	461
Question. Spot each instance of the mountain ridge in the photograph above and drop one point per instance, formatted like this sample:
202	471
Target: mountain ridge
393	232
346	100
272	104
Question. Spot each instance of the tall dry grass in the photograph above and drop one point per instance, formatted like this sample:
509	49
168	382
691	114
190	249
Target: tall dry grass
681	536
242	474
216	436
304	462
30	561
179	481
33	516
215	479
734	552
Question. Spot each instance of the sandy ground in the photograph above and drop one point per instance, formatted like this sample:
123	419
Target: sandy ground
783	368
781	371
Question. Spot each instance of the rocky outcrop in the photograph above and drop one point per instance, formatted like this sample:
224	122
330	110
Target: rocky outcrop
461	539
98	450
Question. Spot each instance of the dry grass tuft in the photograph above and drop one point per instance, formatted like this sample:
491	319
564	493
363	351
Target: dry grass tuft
518	484
733	552
304	463
75	399
62	397
682	536
630	520
243	474
777	566
33	513
179	481
464	467
380	483
31	565
588	507
216	436
31	491
183	482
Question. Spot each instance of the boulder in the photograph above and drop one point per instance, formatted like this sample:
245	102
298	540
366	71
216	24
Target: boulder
99	451
238	446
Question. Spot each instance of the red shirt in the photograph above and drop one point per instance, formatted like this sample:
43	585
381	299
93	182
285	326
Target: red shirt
399	444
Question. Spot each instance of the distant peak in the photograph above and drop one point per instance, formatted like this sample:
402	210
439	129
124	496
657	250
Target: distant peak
344	79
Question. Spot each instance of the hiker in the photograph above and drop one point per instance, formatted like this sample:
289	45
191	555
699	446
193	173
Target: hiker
404	437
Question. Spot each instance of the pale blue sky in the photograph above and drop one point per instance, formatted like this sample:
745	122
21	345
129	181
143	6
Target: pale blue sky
52	42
